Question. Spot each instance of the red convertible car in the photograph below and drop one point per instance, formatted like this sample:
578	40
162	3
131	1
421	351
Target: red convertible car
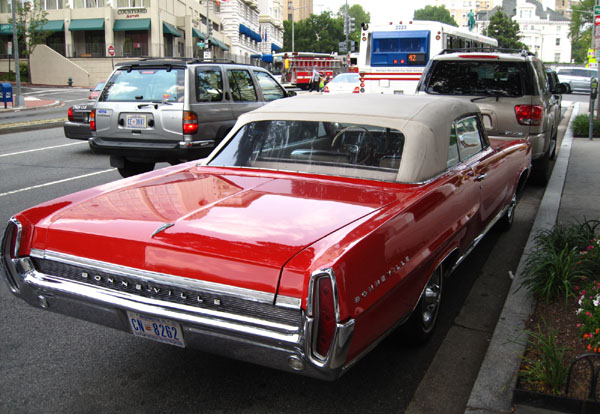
316	227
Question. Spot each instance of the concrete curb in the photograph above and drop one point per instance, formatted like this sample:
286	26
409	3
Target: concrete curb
492	391
25	108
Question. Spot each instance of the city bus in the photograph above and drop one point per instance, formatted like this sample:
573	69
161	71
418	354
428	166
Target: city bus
392	57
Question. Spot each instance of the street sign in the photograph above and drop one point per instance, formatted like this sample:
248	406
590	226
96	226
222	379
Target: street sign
111	50
596	9
342	47
207	54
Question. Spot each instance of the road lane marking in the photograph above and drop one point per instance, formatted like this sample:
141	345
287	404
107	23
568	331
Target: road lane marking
42	149
56	182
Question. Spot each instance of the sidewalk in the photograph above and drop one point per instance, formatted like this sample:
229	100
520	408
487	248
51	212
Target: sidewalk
30	103
573	192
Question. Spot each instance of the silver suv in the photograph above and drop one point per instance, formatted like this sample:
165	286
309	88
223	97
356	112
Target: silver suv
173	110
511	89
577	78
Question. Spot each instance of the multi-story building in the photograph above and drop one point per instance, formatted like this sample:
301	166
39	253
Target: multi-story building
254	27
460	9
543	30
156	28
297	9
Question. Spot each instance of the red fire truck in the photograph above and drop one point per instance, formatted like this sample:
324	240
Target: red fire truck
296	68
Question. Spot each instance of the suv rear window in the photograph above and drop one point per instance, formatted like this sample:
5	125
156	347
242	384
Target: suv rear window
144	85
478	78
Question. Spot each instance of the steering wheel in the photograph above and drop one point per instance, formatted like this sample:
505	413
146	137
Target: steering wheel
363	142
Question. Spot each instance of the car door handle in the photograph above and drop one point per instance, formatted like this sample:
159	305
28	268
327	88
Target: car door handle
481	177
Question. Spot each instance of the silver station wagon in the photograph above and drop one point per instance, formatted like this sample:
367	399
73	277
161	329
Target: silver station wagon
173	110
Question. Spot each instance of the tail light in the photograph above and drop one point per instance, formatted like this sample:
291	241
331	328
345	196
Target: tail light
93	119
11	250
325	316
356	90
529	114
190	123
70	114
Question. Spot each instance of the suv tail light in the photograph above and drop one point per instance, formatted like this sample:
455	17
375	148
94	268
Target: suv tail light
325	316
93	119
529	114
70	114
190	123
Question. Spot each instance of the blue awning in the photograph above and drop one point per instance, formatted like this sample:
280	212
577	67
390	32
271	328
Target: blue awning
267	57
275	48
250	33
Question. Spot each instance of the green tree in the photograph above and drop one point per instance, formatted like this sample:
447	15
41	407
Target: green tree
360	16
580	30
318	33
436	14
505	30
30	19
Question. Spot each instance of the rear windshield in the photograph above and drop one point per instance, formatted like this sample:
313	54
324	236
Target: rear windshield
329	148
478	78
145	85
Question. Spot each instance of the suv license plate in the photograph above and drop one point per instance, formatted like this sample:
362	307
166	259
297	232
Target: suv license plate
157	329
135	121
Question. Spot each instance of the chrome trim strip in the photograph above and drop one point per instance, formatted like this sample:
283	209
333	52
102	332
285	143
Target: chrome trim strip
18	236
288	302
155	277
203	317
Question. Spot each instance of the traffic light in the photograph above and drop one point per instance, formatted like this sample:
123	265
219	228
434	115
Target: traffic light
346	25
210	30
352	25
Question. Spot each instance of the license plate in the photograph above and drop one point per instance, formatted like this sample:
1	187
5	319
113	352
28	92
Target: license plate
157	329
135	121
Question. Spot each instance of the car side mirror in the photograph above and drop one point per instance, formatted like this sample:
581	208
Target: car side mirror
563	88
291	93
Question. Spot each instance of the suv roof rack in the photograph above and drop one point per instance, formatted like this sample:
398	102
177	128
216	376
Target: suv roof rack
522	52
174	61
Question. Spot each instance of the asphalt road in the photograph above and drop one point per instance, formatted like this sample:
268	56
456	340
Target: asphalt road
52	363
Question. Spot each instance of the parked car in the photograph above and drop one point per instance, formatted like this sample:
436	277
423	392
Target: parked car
173	110
344	83
77	125
94	93
512	92
577	78
318	225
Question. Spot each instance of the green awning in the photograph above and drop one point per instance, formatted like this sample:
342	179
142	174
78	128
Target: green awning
218	43
78	25
170	29
197	33
131	25
6	29
55	26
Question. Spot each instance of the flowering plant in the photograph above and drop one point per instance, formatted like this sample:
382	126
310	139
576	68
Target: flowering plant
588	300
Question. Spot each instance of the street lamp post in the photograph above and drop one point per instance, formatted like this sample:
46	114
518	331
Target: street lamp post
291	7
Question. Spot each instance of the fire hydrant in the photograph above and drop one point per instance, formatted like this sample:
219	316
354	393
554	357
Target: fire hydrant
70	81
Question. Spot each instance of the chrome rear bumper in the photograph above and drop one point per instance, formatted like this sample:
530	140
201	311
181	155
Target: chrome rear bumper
279	339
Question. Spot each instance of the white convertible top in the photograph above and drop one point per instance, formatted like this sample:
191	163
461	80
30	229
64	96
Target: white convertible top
424	120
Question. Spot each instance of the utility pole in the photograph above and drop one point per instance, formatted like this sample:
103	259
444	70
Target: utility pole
19	101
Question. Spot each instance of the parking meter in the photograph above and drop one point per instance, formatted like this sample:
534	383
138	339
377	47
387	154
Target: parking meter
593	88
